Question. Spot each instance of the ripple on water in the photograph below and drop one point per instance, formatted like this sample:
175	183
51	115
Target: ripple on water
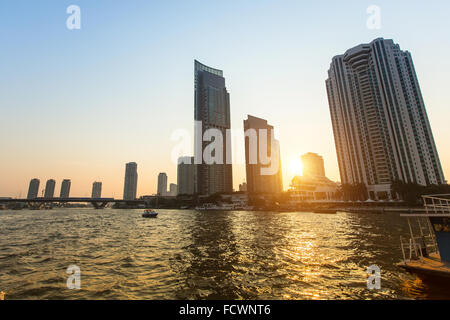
203	255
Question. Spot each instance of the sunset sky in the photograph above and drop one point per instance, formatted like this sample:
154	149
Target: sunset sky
79	104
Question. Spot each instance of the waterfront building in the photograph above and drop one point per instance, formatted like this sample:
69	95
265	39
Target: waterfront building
257	181
96	190
313	185
185	175
380	124
313	165
212	110
50	189
65	189
162	184
243	187
33	189
131	178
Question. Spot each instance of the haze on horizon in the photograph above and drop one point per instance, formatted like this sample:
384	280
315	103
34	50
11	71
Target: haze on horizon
80	104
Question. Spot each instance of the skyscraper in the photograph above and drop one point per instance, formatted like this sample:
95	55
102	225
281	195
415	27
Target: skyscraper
313	165
380	124
162	184
50	189
96	190
212	110
257	181
173	190
185	175
33	189
65	189
130	185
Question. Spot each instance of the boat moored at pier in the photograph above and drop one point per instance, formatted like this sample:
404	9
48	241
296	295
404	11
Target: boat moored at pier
427	251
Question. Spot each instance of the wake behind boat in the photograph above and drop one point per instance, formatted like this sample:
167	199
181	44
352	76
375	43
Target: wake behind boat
149	214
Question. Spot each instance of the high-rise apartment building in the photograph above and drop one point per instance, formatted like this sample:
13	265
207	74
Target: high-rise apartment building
185	175
130	185
50	189
162	184
33	189
259	156
212	110
380	125
96	190
65	189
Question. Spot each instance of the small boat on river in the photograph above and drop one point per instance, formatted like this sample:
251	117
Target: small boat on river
148	213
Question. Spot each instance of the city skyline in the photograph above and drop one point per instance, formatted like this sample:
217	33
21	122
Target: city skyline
252	80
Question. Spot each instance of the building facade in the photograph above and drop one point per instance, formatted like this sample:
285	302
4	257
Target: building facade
212	111
313	165
313	185
131	178
162	184
173	190
50	189
96	190
65	189
185	175
33	189
380	125
257	180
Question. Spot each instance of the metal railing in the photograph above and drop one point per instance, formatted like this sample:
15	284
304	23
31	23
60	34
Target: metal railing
437	204
416	248
422	243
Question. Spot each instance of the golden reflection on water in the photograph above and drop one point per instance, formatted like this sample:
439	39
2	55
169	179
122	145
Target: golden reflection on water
203	255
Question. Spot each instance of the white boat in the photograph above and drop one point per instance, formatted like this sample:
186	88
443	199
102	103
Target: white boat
148	213
427	252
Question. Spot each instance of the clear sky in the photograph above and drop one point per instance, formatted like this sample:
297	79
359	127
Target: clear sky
79	104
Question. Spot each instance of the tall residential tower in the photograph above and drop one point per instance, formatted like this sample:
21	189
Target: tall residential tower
33	189
130	185
96	190
50	189
162	184
65	189
381	128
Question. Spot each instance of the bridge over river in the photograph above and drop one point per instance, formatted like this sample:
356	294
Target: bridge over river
98	203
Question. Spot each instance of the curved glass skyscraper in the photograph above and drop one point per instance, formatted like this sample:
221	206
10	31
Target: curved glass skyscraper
212	111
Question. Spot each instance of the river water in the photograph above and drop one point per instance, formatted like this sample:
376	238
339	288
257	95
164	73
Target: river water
186	254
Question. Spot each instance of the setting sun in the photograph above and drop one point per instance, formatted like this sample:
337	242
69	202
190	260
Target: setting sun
296	167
